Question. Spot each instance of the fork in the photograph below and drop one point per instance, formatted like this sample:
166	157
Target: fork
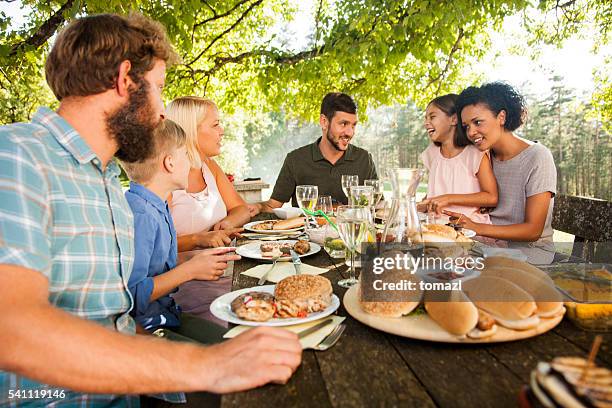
331	339
262	280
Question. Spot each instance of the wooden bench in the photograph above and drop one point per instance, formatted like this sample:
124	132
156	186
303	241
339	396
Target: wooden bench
588	219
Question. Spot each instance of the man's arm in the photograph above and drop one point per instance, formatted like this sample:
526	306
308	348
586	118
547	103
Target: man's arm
46	344
265	206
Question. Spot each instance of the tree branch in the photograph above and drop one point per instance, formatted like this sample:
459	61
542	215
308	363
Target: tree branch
217	38
45	31
218	16
449	61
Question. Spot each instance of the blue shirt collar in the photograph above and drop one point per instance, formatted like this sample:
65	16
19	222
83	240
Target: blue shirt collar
148	196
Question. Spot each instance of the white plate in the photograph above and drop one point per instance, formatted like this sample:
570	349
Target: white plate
249	227
422	327
221	308
251	250
468	232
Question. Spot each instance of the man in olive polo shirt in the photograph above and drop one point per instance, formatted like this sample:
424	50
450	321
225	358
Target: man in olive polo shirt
323	162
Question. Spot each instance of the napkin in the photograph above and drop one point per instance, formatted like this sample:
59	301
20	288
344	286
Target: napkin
307	342
281	271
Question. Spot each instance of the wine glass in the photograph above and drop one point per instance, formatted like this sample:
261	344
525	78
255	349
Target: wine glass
347	182
324	203
353	228
378	187
306	196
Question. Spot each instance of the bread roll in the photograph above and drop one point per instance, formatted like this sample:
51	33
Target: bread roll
387	309
548	300
502	261
289	223
298	295
500	297
457	316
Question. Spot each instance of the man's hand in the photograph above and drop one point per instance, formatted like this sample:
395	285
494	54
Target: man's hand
210	264
254	209
252	359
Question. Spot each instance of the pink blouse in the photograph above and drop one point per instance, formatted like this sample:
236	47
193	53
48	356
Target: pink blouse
456	175
197	212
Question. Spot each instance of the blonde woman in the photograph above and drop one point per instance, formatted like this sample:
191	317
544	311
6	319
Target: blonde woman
209	211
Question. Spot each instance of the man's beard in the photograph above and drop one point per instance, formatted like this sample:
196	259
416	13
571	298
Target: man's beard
133	124
330	139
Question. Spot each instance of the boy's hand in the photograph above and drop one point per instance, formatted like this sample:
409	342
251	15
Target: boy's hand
252	359
209	264
213	239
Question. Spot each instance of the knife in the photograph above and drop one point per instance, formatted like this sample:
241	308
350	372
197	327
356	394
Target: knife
297	263
314	328
229	269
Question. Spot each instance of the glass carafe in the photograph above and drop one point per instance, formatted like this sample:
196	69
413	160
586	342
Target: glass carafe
402	225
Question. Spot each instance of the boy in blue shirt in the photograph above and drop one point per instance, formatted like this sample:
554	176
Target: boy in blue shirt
155	274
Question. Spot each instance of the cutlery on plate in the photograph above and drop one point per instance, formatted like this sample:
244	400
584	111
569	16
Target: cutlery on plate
262	280
314	328
331	339
297	263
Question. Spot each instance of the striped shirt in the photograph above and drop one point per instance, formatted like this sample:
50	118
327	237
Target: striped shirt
65	216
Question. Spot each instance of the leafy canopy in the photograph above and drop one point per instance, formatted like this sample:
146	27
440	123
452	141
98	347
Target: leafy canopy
239	53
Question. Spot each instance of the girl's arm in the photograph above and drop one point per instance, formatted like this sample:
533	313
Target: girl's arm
487	197
536	211
237	210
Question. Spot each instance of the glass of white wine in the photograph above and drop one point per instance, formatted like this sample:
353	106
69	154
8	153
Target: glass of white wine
378	188
353	228
306	196
349	180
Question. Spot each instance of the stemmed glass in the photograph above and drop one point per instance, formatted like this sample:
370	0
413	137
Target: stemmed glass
306	196
324	203
378	188
353	228
347	182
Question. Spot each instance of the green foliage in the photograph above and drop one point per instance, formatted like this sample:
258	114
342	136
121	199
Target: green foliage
238	52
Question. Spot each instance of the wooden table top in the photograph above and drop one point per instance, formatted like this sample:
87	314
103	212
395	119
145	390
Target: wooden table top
369	368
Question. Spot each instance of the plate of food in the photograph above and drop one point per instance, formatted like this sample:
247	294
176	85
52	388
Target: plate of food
276	226
267	251
473	314
294	300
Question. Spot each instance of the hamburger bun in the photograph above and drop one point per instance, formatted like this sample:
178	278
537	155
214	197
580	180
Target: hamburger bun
299	294
388	309
500	297
548	300
290	223
393	303
457	315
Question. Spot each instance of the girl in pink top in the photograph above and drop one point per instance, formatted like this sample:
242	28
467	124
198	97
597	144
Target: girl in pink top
460	176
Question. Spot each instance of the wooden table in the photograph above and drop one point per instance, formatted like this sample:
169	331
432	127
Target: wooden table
368	368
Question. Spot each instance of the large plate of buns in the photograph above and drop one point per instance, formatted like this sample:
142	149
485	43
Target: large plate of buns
474	314
294	300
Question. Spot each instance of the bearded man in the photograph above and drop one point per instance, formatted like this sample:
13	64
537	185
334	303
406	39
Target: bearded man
68	238
323	162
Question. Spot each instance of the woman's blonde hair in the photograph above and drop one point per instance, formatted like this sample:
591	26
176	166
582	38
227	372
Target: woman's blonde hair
189	112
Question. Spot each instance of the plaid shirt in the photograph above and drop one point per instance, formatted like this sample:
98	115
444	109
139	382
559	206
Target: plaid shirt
64	216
